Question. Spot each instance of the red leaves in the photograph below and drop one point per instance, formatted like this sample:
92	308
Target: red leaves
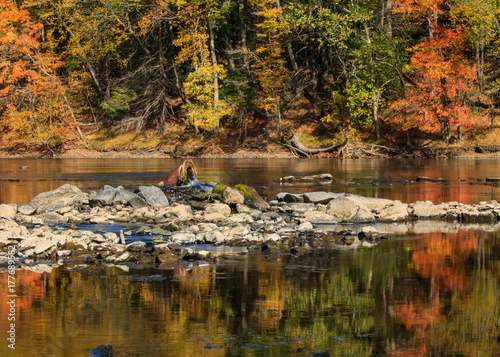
442	75
32	98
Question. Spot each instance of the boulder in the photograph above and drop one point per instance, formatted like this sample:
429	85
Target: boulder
318	217
344	209
153	196
182	212
8	211
137	202
219	208
289	198
122	197
66	195
319	197
104	197
427	210
372	203
252	197
53	218
395	213
232	196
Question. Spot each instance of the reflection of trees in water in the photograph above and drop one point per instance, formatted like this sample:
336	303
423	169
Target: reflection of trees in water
419	295
459	313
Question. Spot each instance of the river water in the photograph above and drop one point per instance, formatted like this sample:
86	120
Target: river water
426	294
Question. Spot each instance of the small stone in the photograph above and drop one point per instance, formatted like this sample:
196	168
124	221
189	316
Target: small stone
136	247
305	227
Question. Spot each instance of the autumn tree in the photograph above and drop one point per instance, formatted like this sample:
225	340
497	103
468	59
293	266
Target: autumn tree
34	100
441	76
270	68
196	23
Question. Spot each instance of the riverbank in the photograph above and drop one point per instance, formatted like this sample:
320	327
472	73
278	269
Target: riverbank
258	145
477	151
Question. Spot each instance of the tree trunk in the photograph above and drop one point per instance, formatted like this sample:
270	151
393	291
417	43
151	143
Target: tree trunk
85	60
375	107
445	130
161	119
388	15
243	34
216	77
376	90
314	75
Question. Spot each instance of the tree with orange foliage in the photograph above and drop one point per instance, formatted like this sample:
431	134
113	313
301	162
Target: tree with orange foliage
32	97
441	76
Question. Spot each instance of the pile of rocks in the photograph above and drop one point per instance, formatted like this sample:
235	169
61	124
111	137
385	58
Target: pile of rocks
54	226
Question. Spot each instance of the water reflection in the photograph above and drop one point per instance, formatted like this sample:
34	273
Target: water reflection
464	179
433	295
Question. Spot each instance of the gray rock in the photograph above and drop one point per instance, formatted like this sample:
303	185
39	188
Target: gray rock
373	204
122	197
343	209
215	237
252	198
318	217
394	213
427	210
319	197
473	215
137	202
290	198
66	195
368	233
104	197
166	258
136	247
122	237
183	238
27	210
153	196
123	257
182	212
4	261
8	211
219	208
45	245
305	227
231	195
53	218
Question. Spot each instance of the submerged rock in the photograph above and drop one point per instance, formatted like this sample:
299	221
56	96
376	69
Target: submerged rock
103	351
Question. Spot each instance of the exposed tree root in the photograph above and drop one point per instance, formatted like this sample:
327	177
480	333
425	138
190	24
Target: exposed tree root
339	150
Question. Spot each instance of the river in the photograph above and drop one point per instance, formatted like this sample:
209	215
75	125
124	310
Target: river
428	294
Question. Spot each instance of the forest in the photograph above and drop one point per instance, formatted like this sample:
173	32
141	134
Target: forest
379	71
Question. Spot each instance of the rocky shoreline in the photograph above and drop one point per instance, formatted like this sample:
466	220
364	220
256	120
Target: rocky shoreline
159	228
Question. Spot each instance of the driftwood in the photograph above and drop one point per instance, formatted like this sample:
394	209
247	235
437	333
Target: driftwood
300	149
366	151
340	150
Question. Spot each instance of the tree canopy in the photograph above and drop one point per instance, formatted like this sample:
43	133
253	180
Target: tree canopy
384	65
